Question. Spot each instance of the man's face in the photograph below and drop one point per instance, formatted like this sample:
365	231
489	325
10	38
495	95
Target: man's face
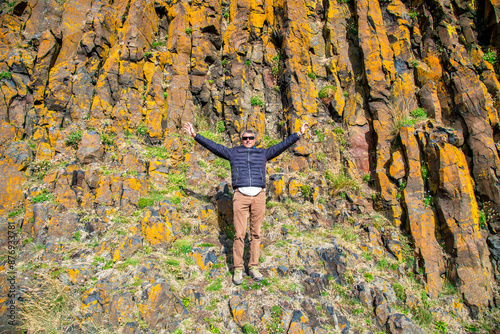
248	139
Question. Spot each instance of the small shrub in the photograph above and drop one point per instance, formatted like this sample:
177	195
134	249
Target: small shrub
276	66
413	14
320	135
249	329
311	75
226	14
74	139
382	264
44	196
147	54
156	44
145	202
366	178
368	277
210	81
419	114
327	92
415	63
341	182
491	57
16	212
165	95
428	200
142	129
256	101
107	139
273	325
399	290
189	31
306	192
424	171
422	315
248	62
441	327
483	219
224	62
5	75
220	126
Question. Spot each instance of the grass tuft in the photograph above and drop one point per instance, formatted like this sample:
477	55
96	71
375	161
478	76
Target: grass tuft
48	307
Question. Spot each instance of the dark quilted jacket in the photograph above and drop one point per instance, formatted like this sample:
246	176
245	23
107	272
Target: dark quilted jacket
248	165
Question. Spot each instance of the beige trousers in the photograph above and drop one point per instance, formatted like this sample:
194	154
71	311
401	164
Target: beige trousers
242	207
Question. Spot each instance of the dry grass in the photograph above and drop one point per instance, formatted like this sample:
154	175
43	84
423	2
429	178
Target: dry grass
48	307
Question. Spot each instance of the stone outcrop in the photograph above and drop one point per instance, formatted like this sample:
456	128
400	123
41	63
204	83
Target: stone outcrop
402	101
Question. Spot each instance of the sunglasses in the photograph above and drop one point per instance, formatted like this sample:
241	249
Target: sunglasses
248	138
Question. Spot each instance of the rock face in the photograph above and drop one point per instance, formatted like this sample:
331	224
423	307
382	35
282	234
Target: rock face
404	95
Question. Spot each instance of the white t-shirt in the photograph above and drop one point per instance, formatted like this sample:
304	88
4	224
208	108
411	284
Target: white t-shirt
249	191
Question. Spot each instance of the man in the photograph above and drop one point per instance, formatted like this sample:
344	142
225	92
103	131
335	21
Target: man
248	174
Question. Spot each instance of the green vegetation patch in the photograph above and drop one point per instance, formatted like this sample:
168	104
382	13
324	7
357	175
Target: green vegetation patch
44	196
327	92
74	139
156	151
257	101
491	57
341	182
5	75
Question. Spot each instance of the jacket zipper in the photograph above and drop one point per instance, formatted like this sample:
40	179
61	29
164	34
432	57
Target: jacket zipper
249	171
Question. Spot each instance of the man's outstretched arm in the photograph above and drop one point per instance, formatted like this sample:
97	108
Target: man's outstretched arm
275	150
217	149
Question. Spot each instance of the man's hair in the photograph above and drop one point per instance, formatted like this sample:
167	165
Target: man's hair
247	131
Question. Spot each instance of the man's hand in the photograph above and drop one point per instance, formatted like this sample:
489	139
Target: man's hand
190	129
303	128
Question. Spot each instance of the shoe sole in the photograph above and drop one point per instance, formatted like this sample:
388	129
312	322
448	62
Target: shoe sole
257	279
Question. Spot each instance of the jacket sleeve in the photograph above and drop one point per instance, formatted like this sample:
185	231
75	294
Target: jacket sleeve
217	149
275	150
